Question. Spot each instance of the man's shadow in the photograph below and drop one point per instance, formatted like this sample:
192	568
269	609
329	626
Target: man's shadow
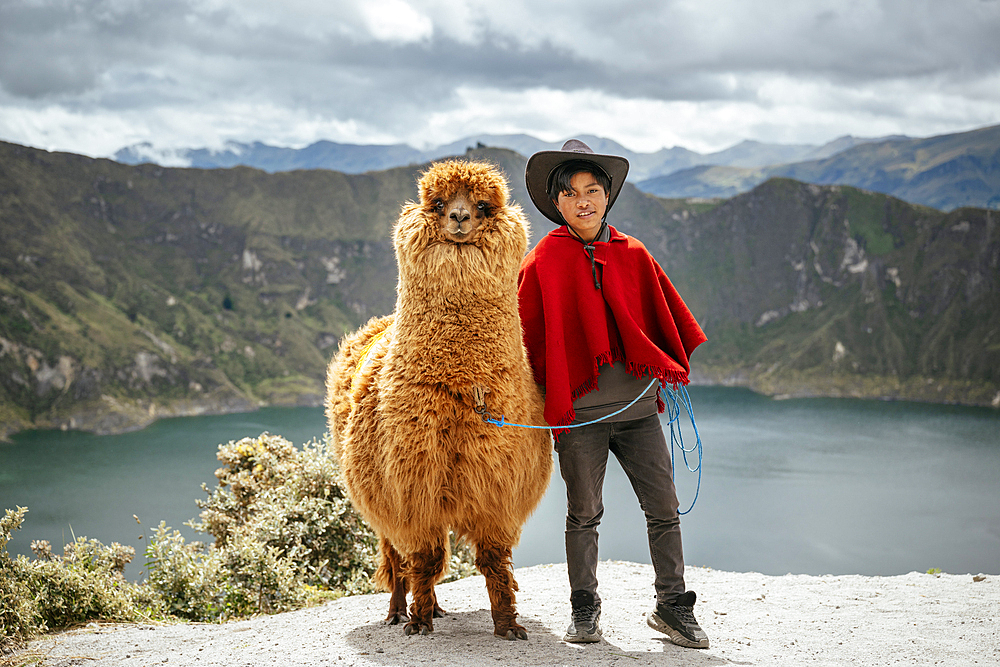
466	638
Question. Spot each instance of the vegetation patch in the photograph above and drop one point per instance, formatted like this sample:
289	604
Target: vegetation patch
868	214
285	536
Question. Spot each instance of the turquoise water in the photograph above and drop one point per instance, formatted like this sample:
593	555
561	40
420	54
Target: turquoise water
812	486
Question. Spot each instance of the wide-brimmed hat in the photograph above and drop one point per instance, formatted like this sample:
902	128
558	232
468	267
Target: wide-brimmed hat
538	172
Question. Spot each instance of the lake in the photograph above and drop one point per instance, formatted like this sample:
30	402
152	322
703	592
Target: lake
807	486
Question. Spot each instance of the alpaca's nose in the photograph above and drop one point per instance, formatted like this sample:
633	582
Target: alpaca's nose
460	215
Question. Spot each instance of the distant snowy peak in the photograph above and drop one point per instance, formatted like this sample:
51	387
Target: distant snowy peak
146	152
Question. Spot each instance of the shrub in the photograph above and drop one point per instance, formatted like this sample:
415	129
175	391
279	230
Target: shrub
86	582
258	579
17	605
183	577
291	501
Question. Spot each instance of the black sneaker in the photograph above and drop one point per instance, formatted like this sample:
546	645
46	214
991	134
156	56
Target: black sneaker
584	629
676	620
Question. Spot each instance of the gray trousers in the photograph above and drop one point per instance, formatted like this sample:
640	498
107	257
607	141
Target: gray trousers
642	451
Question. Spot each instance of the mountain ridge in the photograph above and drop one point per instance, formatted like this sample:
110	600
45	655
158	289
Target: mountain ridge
945	171
358	158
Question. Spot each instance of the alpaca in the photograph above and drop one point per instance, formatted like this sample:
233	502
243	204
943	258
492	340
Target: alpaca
416	458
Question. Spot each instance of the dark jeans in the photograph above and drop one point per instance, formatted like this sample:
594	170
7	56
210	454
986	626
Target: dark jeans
642	451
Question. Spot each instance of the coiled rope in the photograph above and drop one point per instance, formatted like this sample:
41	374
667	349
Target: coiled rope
677	398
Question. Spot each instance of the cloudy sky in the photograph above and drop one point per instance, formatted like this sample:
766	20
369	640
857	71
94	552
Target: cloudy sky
91	76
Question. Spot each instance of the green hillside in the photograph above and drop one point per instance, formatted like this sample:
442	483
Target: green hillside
133	292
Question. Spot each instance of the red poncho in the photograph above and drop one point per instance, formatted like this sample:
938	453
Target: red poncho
570	330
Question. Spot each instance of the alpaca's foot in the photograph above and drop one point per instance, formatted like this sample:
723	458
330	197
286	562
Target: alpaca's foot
438	611
511	631
416	627
396	617
390	574
493	561
423	568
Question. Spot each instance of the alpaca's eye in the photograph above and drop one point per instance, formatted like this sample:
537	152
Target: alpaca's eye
439	204
483	207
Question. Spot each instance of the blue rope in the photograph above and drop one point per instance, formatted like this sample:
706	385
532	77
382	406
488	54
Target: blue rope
676	398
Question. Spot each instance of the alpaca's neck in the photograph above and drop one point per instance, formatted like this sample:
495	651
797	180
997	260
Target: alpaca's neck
460	313
457	338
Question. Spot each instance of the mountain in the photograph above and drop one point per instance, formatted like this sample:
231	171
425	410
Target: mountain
842	144
944	172
129	293
356	158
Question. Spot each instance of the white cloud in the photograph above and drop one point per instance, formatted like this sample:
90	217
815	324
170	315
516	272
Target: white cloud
396	21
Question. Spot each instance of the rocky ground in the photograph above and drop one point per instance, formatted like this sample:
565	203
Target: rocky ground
751	619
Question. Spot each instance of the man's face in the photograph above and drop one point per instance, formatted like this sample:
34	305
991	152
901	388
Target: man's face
583	208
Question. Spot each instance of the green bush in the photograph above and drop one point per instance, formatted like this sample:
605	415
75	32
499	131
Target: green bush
183	577
17	606
291	501
244	577
86	582
258	578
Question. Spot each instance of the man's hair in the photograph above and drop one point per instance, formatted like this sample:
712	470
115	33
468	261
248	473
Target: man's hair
559	179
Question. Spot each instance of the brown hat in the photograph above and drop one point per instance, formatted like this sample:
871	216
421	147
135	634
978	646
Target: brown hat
538	174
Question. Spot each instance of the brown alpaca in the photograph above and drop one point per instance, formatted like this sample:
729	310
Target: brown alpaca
417	459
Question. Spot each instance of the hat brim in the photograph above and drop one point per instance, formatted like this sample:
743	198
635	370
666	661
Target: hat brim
541	164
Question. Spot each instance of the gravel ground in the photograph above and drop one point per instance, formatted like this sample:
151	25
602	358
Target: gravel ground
751	619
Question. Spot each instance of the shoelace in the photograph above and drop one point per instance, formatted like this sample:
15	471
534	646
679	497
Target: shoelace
685	614
584	614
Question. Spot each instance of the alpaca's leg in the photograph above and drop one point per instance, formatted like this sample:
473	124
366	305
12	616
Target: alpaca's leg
438	611
493	561
424	569
390	576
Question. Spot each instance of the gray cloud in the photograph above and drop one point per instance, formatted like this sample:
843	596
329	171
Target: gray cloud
328	61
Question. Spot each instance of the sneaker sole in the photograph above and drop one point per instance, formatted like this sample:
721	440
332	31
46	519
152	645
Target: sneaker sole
583	639
655	622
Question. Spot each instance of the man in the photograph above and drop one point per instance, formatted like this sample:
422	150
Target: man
603	325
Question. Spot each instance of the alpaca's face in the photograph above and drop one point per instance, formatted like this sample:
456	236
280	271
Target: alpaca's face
461	216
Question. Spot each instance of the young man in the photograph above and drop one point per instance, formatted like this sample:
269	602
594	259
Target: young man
603	325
